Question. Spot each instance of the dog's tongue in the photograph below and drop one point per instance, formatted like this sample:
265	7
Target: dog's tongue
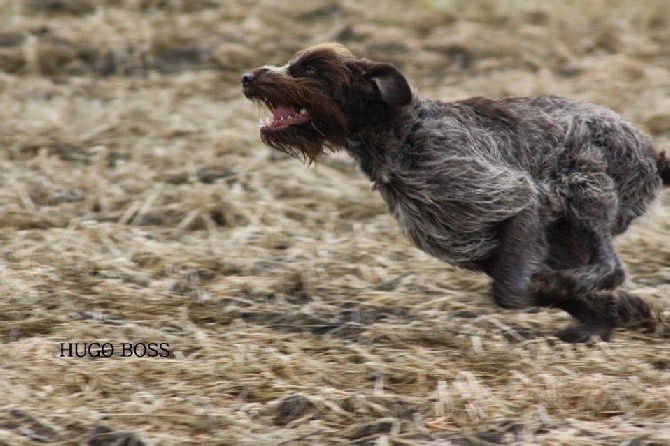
283	117
282	112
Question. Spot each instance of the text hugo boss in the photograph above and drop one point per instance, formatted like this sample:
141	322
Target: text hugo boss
107	350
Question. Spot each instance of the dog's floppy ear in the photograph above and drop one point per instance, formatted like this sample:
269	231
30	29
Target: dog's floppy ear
392	85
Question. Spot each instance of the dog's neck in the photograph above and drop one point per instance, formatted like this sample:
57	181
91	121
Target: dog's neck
368	150
376	146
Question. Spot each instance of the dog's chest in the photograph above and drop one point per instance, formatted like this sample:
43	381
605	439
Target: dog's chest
427	217
430	226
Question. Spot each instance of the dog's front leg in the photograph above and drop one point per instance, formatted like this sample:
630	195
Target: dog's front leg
521	249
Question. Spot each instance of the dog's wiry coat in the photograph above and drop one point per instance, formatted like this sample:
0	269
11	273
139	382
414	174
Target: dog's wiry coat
529	190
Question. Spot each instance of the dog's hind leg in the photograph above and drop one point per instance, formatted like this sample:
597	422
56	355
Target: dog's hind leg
569	247
580	264
603	270
581	256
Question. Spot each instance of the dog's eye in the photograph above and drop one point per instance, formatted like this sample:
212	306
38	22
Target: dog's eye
309	70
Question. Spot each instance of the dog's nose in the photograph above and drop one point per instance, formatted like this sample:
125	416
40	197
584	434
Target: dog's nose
247	77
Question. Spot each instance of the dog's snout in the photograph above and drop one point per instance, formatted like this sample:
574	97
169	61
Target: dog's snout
247	77
254	75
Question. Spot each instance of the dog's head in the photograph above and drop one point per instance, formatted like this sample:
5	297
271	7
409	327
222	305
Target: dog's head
323	96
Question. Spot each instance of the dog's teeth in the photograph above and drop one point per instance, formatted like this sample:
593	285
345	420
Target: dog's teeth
303	111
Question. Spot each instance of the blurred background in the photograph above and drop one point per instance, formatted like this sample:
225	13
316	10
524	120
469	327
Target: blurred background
137	204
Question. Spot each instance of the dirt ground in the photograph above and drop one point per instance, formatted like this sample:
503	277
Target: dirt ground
138	205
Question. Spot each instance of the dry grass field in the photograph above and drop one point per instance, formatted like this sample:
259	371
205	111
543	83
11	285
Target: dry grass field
138	205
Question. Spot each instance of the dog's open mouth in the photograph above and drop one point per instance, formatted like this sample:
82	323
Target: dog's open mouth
284	117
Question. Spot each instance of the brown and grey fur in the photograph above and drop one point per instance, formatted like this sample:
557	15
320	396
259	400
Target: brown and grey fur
530	190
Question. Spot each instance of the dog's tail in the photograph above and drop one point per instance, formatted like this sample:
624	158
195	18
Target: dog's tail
663	164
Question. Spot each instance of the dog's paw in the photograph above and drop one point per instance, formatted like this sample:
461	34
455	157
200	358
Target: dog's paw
581	332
